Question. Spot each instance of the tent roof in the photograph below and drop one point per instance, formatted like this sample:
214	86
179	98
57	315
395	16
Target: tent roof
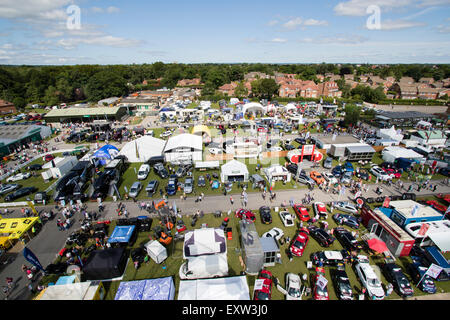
148	289
269	244
155	247
184	140
70	291
201	129
16	227
108	151
399	152
204	241
441	240
121	234
252	106
228	288
143	148
234	165
276	169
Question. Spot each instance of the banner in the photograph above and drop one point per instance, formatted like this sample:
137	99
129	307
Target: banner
31	258
434	271
258	284
386	202
423	229
321	282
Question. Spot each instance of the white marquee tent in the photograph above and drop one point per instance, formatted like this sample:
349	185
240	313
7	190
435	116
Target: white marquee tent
184	147
142	149
232	170
228	288
253	106
390	134
277	172
389	154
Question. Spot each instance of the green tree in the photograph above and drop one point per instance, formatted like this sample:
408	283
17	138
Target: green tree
352	114
241	90
105	84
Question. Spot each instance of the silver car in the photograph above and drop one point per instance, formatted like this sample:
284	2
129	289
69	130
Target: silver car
135	189
188	185
294	287
345	206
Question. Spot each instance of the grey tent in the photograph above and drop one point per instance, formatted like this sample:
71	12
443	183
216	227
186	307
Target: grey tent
253	254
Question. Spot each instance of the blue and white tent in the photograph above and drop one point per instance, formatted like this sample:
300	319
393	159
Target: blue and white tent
149	289
105	153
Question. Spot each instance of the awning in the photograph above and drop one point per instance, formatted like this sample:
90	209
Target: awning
441	240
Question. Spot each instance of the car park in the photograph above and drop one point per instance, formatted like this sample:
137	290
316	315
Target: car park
19	176
369	278
320	209
317	177
321	236
294	287
135	189
287	218
301	212
172	185
245	214
327	163
265	293
342	284
143	172
345	206
152	187
330	257
346	219
6	188
380	173
395	275
20	193
298	244
160	170
346	239
188	185
276	233
319	291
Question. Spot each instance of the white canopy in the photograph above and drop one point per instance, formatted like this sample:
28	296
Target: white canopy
70	291
142	149
156	251
184	140
392	153
229	288
423	123
290	106
253	106
233	168
390	133
275	171
441	240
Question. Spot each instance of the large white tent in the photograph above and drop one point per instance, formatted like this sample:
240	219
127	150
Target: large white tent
228	288
253	107
390	134
184	148
277	172
142	149
389	154
233	170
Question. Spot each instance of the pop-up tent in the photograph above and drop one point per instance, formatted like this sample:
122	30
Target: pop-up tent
228	288
143	148
234	170
156	251
105	264
277	172
204	241
148	289
253	107
105	153
253	253
90	290
122	235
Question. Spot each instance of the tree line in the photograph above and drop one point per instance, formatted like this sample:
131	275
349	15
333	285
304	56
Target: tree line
51	85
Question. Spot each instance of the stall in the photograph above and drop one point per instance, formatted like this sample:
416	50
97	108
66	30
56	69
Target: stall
156	251
234	170
123	235
138	150
277	172
148	289
105	154
271	250
13	229
105	264
228	288
90	290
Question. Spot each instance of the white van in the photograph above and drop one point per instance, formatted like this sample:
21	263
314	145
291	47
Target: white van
143	172
206	266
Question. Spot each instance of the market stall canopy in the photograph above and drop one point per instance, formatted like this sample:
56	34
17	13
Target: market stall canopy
73	291
253	106
441	240
105	153
121	234
201	129
228	288
142	149
148	289
16	227
377	245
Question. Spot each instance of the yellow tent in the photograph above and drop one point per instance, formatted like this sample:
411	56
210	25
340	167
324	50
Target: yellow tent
16	228
201	129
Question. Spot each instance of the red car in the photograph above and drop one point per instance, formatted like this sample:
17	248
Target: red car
318	292
393	173
301	212
245	214
439	207
265	293
320	209
49	157
299	243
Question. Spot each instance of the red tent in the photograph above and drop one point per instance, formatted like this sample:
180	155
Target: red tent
377	245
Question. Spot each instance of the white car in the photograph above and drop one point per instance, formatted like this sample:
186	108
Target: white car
19	176
380	173
286	218
330	178
166	134
345	206
143	172
276	233
215	151
294	287
275	149
369	278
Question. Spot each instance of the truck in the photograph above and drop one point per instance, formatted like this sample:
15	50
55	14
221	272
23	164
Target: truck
205	266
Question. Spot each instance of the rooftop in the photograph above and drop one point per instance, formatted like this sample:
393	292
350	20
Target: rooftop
339	139
405	207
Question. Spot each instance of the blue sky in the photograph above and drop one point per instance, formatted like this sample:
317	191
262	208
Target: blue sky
197	31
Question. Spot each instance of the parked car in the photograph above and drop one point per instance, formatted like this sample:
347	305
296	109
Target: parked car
327	163
300	141
346	219
380	173
6	188
135	189
342	283
348	166
330	257
321	236
245	214
287	218
215	151
151	187
346	177
369	278
288	147
301	212
143	172
265	293
417	273
188	185
292	168
346	239
166	134
345	206
298	244
318	292
172	185
338	171
201	182
294	287
317	177
40	197
19	176
276	233
20	193
182	171
395	275
48	157
320	209
160	170
363	174
304	178
35	167
330	178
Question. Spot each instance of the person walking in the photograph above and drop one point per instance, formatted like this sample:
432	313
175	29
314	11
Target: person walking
231	200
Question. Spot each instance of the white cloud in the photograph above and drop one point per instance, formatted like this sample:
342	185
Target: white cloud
443	29
388	25
428	3
112	10
359	7
272	23
293	23
34	10
314	22
97	10
339	39
278	40
105	40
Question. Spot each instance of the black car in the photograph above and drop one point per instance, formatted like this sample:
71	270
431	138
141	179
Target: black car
292	168
338	171
40	197
346	239
201	182
363	174
182	171
152	186
264	213
445	172
321	236
300	141
346	219
395	275
35	167
20	193
342	283
330	258
422	281
288	147
160	170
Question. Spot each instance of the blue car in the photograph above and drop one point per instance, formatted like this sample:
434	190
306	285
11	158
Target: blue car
172	186
349	167
337	171
346	219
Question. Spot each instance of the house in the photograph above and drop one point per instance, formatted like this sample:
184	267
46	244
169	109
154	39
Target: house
251	76
444	92
430	138
407	91
329	89
308	89
428	93
407	80
7	107
426	80
228	89
189	82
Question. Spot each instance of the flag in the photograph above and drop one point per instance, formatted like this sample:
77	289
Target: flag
31	258
415	209
434	271
174	206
